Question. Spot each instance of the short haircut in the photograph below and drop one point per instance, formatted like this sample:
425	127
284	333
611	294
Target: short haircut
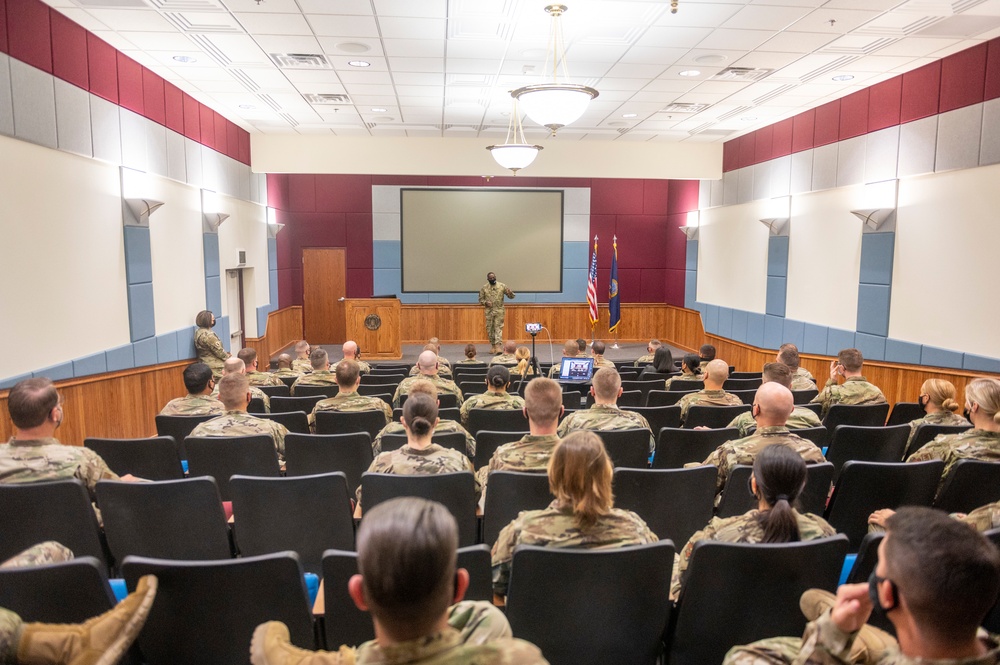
543	400
428	359
31	401
692	361
470	351
350	348
424	387
301	346
779	373
581	344
407	552
233	365
789	355
570	348
580	476
775	401
599	348
948	572
707	352
204	319
284	361
233	389
196	377
247	355
435	341
347	373
497	376
319	358
510	346
420	411
606	383
851	359
654	344
717	370
431	347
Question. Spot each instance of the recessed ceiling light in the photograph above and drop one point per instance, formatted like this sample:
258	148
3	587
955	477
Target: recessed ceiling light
378	110
359	63
710	59
617	123
844	77
247	107
630	115
185	58
353	47
691	72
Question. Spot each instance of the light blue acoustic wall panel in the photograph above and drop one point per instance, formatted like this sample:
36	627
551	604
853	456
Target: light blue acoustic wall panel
213	294
872	347
814	339
873	309
755	329
725	328
185	343
876	258
222	330
837	339
739	332
93	364
777	289
690	289
144	352
793	332
120	358
55	372
166	347
140	311
777	256
774	333
272	281
213	278
139	277
897	351
691	256
711	320
210	242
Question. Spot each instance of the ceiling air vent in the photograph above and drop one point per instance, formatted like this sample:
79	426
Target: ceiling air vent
684	107
327	99
742	74
300	60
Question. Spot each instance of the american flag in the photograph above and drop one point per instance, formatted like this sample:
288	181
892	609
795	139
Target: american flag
592	285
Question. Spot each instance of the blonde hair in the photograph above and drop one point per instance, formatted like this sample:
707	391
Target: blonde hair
606	383
941	393
985	393
523	358
580	476
423	386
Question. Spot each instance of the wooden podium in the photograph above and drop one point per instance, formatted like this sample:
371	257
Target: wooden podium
374	324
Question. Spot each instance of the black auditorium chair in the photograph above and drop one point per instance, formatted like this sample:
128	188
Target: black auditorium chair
275	391
626	399
65	592
222	457
676	447
383	392
665	397
180	427
497	420
284	404
380	379
315	391
658	417
294	421
674	503
745	375
905	412
864	563
445	400
746	396
864	415
154	458
713	417
310	454
456	491
644	386
507	494
732	384
969	485
627	447
686	385
288	380
866	444
256	406
343	422
926	433
804	396
815	407
571	400
488	441
736	498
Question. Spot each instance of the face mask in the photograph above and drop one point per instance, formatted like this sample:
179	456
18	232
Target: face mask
922	401
877	608
493	281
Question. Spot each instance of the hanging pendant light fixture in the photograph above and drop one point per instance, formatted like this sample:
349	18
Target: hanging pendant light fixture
559	103
514	156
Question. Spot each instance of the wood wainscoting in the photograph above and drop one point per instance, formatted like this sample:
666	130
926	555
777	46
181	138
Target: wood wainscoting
284	327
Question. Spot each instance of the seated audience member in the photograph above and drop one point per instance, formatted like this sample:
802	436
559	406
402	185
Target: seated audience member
604	414
236	366
444	371
937	397
661	363
496	395
256	378
427	364
801	417
507	357
352	352
302	363
935	581
320	375
690	370
854	390
651	348
285	367
420	456
207	344
581	347
779	476
788	354
707	354
234	392
444	425
522	360
771	408
348	375
199	401
582	514
600	361
407	578
982	518
716	373
436	343
570	350
470	356
42	554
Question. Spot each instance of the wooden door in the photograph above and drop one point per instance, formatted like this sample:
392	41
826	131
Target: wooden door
324	286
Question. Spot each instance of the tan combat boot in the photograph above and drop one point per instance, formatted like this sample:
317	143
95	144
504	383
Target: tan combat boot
270	646
102	640
871	642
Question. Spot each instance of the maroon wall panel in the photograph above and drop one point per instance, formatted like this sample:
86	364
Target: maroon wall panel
207	117
652	286
655	197
153	100
604	227
802	130
854	114
358	227
173	106
320	229
233	140
730	155
399	180
673	287
827	128
455	181
347	193
616	195
289	287
683	196
993	70
29	38
302	192
244	146
4	44
747	146
277	191
764	144
781	141
130	84
676	243
192	117
102	65
642	240
963	78
69	51
921	90
884	104
221	134
360	282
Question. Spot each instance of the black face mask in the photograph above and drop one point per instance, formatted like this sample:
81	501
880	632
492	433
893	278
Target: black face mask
493	281
877	608
922	401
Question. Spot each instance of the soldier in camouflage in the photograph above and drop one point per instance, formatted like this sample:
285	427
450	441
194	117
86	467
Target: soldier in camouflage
651	348
207	344
352	352
935	581
496	395
982	518
443	367
491	297
320	374
937	397
256	378
716	373
200	384
788	354
854	390
427	363
302	363
285	367
409	534
436	343
236	366
600	361
348	376
470	356
41	554
690	370
570	350
582	514
444	425
522	362
801	417
507	357
706	354
234	391
604	415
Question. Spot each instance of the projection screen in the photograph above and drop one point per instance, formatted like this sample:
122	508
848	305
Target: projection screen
452	237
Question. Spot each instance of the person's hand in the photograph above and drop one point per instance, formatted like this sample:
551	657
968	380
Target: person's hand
851	608
879	517
702	427
836	370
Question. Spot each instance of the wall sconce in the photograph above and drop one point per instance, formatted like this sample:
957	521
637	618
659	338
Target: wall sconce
139	210
775	225
873	218
273	229
690	229
213	220
878	203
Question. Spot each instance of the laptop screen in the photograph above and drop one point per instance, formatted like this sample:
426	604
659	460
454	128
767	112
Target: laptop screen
576	369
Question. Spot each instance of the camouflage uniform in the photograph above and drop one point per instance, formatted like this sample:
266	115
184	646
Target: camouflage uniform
36	460
974	444
490	400
193	405
503	359
409	461
802	372
442	370
556	526
302	365
706	397
605	418
469	361
685	376
601	361
801	418
351	402
240	423
286	372
800	382
210	350
743	528
363	367
982	518
530	454
643	360
491	298
943	417
318	377
743	451
41	554
255	393
854	390
263	379
443	386
444	426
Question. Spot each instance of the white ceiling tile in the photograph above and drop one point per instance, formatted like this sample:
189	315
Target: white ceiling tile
658	98
916	46
81	17
324	25
270	78
766	60
347	47
881	5
724	87
214	87
470	66
632	70
274	24
310	76
411	78
350	131
649	55
414	48
137	20
627	85
595	52
420	102
987	8
845	20
698	15
416	64
159	41
271	6
321	88
422	132
411	28
671	85
797	42
879	63
420	91
342	63
143	58
702	59
423	8
735	39
364	76
312	129
763	17
205	74
672	37
491	49
239	48
704	73
288	44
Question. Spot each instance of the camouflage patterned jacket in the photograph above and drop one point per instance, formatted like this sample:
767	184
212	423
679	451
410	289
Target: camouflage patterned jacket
942	417
286	372
743	451
302	366
743	528
263	379
490	400
972	444
364	367
491	295
255	393
643	360
193	405
801	418
685	376
503	359
805	374
800	382
431	460
240	423
605	418
556	526
41	554
601	361
443	386
444	426
36	460
351	402
854	390
707	398
210	350
318	377
982	518
442	370
530	454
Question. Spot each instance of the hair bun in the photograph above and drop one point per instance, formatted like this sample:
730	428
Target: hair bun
950	404
420	425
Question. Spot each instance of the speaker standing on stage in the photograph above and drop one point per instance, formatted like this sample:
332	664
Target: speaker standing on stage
491	298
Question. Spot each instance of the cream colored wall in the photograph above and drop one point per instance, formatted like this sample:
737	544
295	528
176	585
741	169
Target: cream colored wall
63	292
732	257
245	229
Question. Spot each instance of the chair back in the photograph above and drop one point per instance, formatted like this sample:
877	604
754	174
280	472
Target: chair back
488	441
304	390
627	447
206	611
864	487
507	494
288	380
673	502
297	403
472	387
445	400
383	392
169	519
225	456
665	397
803	397
275	391
451	440
497	420
477	560
42	593
745	375
456	491
904	412
311	454
294	421
304	514
815	407
992	621
659	417
686	385
737	499
643	386
732	384
571	400
180	427
343	622
592	606
155	458
864	563
59	510
676	447
862	415
866	444
714	417
926	433
344	422
256	405
380	379
719	598
818	435
969	485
